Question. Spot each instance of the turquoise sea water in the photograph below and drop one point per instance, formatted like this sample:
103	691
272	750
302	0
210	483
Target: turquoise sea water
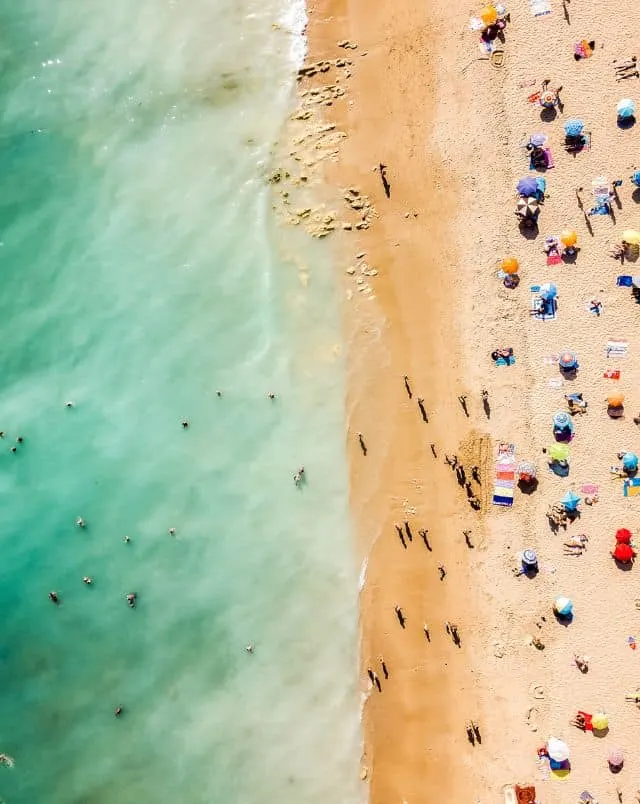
141	272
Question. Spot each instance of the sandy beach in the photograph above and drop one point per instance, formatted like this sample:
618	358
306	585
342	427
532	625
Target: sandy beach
423	301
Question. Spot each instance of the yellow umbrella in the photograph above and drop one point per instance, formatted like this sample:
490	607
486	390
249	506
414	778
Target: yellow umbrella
510	265
631	236
600	721
569	237
488	15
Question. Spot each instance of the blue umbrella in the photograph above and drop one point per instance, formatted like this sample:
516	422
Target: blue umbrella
563	606
562	420
527	186
568	360
635	178
626	108
548	291
630	462
570	501
573	127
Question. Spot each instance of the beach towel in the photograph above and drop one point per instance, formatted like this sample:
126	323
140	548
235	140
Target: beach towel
583	49
612	374
616	348
540	8
505	361
505	478
554	259
624	281
631	487
543	309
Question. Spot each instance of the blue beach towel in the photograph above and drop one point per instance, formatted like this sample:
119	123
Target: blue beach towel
624	281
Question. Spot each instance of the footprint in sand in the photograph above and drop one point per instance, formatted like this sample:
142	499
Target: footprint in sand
537	691
498	650
531	718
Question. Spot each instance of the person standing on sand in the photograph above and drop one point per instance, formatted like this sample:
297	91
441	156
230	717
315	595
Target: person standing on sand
385	180
408	387
408	531
423	412
423	533
384	668
426	632
433	450
401	536
363	446
400	616
442	570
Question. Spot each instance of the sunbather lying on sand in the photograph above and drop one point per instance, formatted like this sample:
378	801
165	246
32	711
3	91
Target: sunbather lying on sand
576	545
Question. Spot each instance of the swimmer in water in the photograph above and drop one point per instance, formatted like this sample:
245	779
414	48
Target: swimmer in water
126	539
87	580
53	597
172	531
117	711
20	440
68	404
185	424
249	647
80	522
131	599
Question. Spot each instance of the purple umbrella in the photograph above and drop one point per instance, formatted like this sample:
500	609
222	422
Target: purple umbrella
527	186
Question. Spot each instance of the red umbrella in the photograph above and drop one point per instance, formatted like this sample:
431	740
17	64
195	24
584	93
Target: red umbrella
624	553
623	536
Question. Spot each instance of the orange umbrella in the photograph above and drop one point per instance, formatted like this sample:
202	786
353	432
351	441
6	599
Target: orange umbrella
615	400
488	15
569	237
510	265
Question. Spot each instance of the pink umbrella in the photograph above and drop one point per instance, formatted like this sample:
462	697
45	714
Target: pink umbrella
616	758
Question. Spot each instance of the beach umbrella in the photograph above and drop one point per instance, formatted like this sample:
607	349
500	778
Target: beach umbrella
564	607
568	360
630	462
569	237
631	236
615	757
526	470
615	400
527	207
539	140
623	536
573	127
570	501
626	108
510	265
600	721
558	452
488	15
562	421
635	177
548	98
557	749
527	186
624	553
548	291
529	559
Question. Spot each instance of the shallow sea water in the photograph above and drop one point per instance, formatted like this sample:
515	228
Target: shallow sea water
141	272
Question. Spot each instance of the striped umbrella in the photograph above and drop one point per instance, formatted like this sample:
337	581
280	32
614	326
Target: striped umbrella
568	360
527	207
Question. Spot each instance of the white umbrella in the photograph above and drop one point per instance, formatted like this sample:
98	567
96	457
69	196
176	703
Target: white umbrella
557	749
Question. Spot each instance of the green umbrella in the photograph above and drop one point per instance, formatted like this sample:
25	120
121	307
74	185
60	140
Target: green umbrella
558	452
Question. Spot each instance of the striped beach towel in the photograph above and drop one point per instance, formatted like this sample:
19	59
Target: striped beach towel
505	479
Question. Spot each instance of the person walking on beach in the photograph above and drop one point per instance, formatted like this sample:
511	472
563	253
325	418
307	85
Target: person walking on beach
423	533
408	531
384	668
385	180
462	399
423	412
371	675
442	570
433	450
426	632
401	536
401	618
467	537
363	446
408	387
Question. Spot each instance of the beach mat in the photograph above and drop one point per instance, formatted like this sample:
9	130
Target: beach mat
505	477
624	281
550	307
632	487
616	348
540	8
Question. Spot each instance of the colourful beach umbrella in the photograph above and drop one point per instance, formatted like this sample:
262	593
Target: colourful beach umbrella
573	127
538	140
568	360
615	757
557	749
527	207
624	553
571	501
558	452
528	186
615	400
548	99
631	236
526	470
510	265
569	237
635	178
630	462
564	607
623	536
562	421
529	558
600	721
626	108
548	291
